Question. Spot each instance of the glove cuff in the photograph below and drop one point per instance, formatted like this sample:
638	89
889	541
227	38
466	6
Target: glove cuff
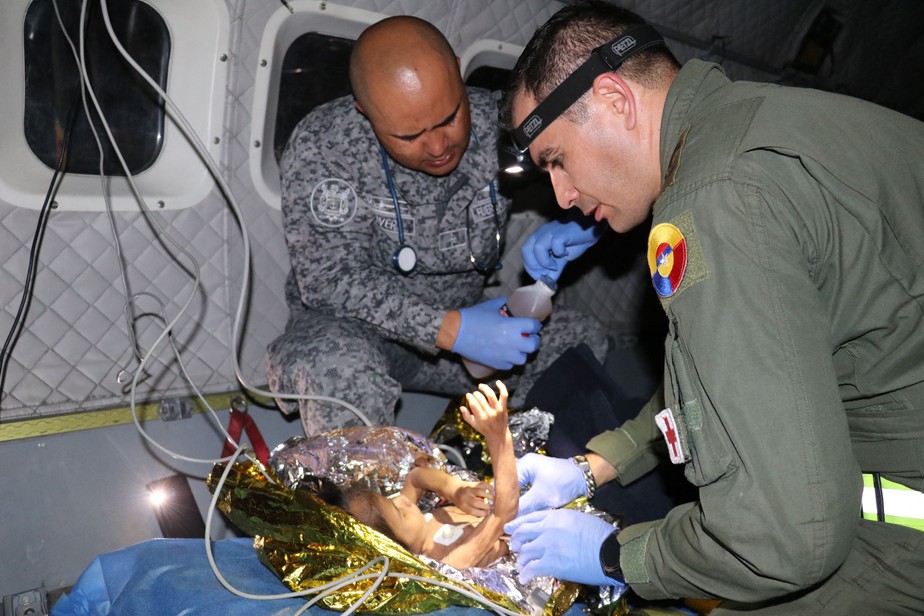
581	462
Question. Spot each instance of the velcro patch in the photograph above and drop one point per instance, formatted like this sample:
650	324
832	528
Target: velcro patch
675	257
667	425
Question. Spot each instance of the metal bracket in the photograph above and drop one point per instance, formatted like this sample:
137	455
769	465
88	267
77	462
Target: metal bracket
171	409
29	603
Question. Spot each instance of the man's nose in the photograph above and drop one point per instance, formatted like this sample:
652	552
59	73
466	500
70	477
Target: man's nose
435	143
565	192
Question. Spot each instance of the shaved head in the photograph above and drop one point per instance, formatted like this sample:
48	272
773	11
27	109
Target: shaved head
407	82
398	52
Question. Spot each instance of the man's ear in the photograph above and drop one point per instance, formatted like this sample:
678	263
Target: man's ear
617	97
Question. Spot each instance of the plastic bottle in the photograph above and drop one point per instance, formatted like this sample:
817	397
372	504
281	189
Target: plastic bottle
533	300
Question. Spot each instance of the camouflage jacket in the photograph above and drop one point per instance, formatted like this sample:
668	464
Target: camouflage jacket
340	223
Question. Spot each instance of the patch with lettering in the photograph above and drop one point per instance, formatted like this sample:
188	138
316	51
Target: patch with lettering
389	224
481	207
333	202
667	258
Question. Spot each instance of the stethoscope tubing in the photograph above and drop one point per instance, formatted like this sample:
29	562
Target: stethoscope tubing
399	223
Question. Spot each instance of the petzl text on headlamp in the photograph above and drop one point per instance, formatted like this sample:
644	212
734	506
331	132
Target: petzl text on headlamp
603	59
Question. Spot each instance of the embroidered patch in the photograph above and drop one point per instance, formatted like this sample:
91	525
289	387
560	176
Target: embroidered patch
667	258
668	427
333	202
451	240
389	224
481	207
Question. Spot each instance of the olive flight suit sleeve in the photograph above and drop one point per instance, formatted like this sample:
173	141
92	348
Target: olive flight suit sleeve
329	232
751	385
636	447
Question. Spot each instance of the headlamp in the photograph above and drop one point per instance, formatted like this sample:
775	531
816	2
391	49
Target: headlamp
513	156
510	159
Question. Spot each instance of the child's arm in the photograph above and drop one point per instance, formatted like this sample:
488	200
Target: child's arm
471	497
487	413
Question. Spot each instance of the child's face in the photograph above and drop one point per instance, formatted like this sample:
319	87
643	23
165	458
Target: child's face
405	520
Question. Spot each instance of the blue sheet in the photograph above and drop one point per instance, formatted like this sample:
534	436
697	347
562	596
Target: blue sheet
173	576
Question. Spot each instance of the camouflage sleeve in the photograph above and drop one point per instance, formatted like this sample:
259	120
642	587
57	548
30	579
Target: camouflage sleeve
329	234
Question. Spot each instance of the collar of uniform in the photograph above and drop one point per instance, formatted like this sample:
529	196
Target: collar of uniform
695	80
483	145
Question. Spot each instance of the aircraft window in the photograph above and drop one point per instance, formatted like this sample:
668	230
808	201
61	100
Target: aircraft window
315	70
134	115
488	77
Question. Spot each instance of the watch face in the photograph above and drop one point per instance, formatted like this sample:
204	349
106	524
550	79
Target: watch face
609	556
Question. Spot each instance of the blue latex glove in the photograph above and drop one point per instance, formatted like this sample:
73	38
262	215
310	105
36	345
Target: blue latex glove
490	338
552	245
562	543
555	482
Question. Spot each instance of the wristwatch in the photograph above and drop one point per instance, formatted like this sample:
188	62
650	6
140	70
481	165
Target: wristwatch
609	556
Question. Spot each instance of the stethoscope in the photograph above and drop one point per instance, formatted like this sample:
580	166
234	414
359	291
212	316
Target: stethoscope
404	258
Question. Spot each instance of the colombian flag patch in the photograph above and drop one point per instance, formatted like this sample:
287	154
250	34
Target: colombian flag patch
667	258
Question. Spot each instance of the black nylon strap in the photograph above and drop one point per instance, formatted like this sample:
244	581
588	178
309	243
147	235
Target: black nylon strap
605	58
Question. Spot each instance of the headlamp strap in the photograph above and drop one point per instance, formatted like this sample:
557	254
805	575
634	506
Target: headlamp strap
605	58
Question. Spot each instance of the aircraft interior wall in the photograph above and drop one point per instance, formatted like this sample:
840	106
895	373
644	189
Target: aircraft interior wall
106	283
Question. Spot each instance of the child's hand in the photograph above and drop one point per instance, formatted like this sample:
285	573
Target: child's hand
486	412
474	498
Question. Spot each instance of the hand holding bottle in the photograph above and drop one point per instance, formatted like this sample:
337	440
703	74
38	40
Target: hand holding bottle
489	337
534	301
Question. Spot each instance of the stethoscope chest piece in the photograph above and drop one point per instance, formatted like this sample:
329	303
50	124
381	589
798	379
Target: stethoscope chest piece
404	259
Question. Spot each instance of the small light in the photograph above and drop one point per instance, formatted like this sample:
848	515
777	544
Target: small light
158	497
175	507
511	159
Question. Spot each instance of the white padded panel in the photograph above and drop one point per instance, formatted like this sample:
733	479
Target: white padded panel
75	339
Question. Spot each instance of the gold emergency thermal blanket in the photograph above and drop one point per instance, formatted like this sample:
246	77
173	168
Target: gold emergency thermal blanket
308	543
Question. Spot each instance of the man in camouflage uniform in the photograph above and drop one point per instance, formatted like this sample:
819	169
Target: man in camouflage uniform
787	248
360	330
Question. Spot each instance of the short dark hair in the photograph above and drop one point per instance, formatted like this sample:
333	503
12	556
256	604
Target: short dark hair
366	506
360	501
566	40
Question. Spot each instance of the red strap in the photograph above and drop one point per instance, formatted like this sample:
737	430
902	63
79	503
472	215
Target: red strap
242	421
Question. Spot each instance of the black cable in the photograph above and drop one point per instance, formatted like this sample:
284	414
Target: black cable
29	284
880	501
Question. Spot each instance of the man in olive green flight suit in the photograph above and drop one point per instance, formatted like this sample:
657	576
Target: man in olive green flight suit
787	248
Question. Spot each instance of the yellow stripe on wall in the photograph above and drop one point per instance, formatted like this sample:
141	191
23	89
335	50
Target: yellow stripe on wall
88	420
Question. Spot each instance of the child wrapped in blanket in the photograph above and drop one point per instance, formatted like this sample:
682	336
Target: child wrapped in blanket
470	531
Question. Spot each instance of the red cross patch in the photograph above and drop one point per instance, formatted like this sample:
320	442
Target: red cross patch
668	427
